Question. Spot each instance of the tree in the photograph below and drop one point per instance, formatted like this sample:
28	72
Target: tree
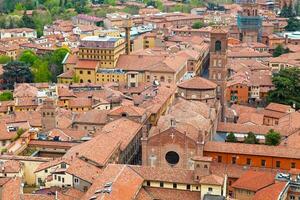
287	87
28	57
4	59
55	61
293	24
272	138
251	138
287	11
197	25
279	50
6	96
231	138
28	21
41	72
16	72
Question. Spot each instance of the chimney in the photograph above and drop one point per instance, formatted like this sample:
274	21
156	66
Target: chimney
286	39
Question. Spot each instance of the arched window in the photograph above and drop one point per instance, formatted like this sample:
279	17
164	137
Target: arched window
81	81
218	45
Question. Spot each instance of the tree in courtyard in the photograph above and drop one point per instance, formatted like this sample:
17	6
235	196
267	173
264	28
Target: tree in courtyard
231	138
287	87
272	138
279	50
251	138
197	25
16	72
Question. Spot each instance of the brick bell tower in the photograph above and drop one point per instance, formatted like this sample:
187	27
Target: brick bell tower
218	61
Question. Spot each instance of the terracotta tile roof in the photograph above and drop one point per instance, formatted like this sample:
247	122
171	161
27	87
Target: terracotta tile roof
129	110
123	130
137	62
197	83
52	163
80	102
99	149
92	117
212	179
87	64
252	149
11	190
25	90
271	192
67	134
10	166
126	183
64	91
271	113
67	74
278	107
254	180
171	194
172	175
83	170
144	195
239	109
254	118
245	128
37	197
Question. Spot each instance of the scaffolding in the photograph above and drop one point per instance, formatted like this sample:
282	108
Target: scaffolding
252	23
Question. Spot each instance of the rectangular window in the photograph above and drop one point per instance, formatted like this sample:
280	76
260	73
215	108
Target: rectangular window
233	160
277	164
210	189
63	180
59	178
188	187
219	158
148	183
174	185
80	72
55	177
248	161
263	163
293	165
63	165
161	184
88	72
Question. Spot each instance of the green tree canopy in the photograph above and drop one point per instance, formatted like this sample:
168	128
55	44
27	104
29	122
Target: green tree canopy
41	72
28	57
55	61
293	24
16	72
287	11
28	21
4	59
287	87
197	25
272	138
251	138
231	138
6	96
279	50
